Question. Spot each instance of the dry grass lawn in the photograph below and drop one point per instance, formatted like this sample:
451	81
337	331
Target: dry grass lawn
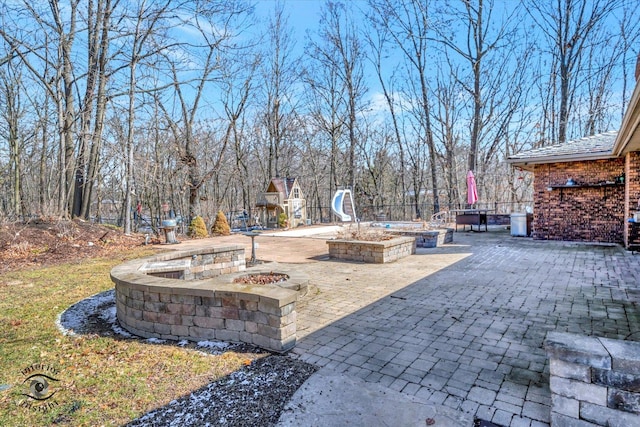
102	380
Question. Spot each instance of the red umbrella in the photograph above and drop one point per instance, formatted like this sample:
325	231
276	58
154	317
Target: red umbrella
472	190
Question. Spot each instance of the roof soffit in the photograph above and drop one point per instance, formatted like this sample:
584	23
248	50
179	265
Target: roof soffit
629	136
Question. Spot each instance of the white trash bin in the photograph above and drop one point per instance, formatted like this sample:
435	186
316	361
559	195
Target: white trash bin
519	224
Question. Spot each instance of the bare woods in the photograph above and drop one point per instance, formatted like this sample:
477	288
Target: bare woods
110	108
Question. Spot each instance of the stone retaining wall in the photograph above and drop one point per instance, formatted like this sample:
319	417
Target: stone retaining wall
152	301
372	252
427	238
196	263
593	381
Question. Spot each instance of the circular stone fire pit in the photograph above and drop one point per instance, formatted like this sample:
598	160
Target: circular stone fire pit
208	293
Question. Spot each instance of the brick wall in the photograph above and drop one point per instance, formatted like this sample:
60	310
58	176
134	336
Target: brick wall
594	214
593	381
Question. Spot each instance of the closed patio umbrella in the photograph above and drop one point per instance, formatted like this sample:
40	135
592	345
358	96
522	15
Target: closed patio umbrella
472	190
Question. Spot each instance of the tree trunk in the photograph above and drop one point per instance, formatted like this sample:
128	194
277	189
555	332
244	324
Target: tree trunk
99	62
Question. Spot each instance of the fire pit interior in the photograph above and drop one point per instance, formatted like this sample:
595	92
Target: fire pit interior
261	278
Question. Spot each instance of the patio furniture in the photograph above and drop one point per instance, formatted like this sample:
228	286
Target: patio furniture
471	217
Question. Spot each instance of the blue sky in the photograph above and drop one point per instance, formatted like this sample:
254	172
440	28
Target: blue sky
302	14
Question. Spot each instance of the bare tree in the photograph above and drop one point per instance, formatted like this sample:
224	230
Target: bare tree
447	116
327	109
479	42
629	26
408	23
280	73
378	44
92	116
237	88
610	55
213	22
142	47
341	51
11	114
568	27
377	170
48	53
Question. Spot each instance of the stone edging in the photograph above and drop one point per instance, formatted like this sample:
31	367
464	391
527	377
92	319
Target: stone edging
153	300
593	381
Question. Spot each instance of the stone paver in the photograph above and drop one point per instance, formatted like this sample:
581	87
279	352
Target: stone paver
463	325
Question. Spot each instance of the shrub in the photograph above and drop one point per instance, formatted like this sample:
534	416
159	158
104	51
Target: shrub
220	225
282	220
197	228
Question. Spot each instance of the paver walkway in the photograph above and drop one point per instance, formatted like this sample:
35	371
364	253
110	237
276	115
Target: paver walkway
463	325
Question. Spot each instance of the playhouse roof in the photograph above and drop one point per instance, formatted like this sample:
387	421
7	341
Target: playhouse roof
283	185
594	147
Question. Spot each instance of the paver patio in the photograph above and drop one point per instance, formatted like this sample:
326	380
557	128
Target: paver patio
460	325
463	325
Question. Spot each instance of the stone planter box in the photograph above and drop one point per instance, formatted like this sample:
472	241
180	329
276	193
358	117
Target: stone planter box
427	238
372	252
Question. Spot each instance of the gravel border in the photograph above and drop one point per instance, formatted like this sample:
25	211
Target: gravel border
252	396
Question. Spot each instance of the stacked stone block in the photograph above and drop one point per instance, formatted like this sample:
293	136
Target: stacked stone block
372	252
197	264
427	238
593	381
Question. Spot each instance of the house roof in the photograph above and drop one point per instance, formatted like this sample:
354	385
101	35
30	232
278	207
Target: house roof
629	136
594	147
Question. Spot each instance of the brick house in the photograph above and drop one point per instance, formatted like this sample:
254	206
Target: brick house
283	195
588	189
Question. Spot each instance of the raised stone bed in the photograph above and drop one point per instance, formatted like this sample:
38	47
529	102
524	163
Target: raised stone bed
427	238
372	252
154	300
